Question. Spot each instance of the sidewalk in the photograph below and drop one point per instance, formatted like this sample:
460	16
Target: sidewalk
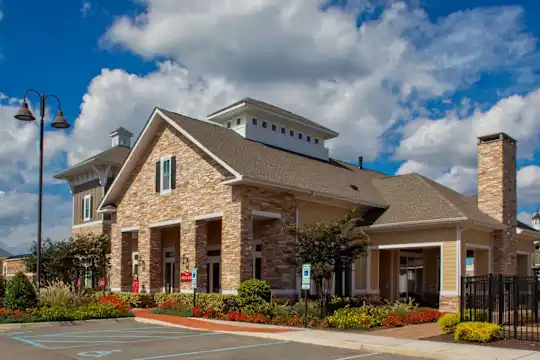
354	341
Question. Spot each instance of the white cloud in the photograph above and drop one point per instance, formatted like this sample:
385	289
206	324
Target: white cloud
18	219
85	8
525	217
528	179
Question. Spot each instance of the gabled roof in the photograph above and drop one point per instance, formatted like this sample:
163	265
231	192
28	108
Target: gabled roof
116	155
415	198
277	110
247	160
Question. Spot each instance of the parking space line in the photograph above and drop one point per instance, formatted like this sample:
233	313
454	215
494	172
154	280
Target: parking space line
82	343
93	331
116	336
356	356
212	351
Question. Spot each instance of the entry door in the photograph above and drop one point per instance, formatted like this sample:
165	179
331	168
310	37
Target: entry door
170	276
213	271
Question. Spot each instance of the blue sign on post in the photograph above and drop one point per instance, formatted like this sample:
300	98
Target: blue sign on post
306	276
194	278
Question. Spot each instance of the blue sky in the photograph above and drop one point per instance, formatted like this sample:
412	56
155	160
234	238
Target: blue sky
409	85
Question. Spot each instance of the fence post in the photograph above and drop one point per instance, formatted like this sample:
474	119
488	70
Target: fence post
515	305
462	298
501	299
535	300
490	301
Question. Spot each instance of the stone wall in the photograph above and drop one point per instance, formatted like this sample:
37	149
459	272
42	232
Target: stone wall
95	229
449	304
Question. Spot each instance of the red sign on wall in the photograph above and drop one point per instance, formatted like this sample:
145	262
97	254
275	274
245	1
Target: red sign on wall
102	283
78	282
135	286
185	276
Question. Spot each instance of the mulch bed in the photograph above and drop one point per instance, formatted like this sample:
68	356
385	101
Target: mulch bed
504	343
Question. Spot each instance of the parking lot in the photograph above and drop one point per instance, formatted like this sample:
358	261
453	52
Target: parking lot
136	341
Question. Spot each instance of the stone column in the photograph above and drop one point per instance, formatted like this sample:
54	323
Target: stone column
277	255
150	260
504	252
121	264
236	247
201	241
187	251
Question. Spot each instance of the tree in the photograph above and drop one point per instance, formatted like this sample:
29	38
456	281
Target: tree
328	247
20	293
71	259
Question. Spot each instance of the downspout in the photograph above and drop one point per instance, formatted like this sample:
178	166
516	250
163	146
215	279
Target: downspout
460	265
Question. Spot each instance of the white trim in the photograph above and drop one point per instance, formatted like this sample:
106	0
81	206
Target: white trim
229	292
408	245
482	247
116	289
162	161
226	110
134	153
522	252
166	223
89	199
129	229
368	260
266	214
416	222
477	246
92	223
448	293
214	215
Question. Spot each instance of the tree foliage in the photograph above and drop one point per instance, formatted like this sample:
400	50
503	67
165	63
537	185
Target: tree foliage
328	246
20	293
70	259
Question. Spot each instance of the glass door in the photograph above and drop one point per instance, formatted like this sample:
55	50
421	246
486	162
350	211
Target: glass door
169	280
213	271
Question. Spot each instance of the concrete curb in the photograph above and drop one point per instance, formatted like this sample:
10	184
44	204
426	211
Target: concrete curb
405	348
37	325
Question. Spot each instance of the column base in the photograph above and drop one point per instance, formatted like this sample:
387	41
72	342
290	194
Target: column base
449	304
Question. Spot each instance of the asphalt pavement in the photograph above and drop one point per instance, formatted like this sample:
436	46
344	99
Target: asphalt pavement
110	340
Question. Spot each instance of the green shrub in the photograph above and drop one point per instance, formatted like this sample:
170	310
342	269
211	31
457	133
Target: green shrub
254	290
448	323
102	310
218	302
313	308
58	295
20	293
56	313
347	318
136	300
2	290
477	332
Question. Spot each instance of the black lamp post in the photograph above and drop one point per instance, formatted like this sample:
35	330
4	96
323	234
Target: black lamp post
60	122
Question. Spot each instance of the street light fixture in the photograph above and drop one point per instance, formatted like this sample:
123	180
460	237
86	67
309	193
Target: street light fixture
60	122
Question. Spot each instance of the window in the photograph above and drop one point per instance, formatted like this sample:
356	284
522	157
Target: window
300	136
229	125
316	141
264	124
254	121
257	262
308	138
291	133
283	130
166	174
238	121
274	127
87	207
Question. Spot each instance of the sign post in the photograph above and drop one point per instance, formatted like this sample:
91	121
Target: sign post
306	286
194	285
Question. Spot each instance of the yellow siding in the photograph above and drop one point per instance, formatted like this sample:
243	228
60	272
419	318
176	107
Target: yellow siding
311	213
413	236
449	266
477	237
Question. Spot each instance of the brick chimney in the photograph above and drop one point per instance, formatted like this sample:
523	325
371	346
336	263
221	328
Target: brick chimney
497	194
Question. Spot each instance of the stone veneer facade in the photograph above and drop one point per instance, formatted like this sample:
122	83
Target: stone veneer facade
198	192
497	196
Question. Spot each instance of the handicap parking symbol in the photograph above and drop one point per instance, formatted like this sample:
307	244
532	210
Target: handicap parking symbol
98	354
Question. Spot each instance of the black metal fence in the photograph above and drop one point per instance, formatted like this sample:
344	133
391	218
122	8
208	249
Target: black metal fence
509	301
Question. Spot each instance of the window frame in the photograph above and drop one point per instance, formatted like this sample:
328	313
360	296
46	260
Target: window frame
256	255
300	136
254	121
264	125
87	205
228	124
283	131
162	162
291	133
238	121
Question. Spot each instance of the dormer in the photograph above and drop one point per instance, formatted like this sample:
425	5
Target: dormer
268	124
121	137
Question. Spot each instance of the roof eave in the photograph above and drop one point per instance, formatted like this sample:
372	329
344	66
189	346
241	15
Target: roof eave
416	224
